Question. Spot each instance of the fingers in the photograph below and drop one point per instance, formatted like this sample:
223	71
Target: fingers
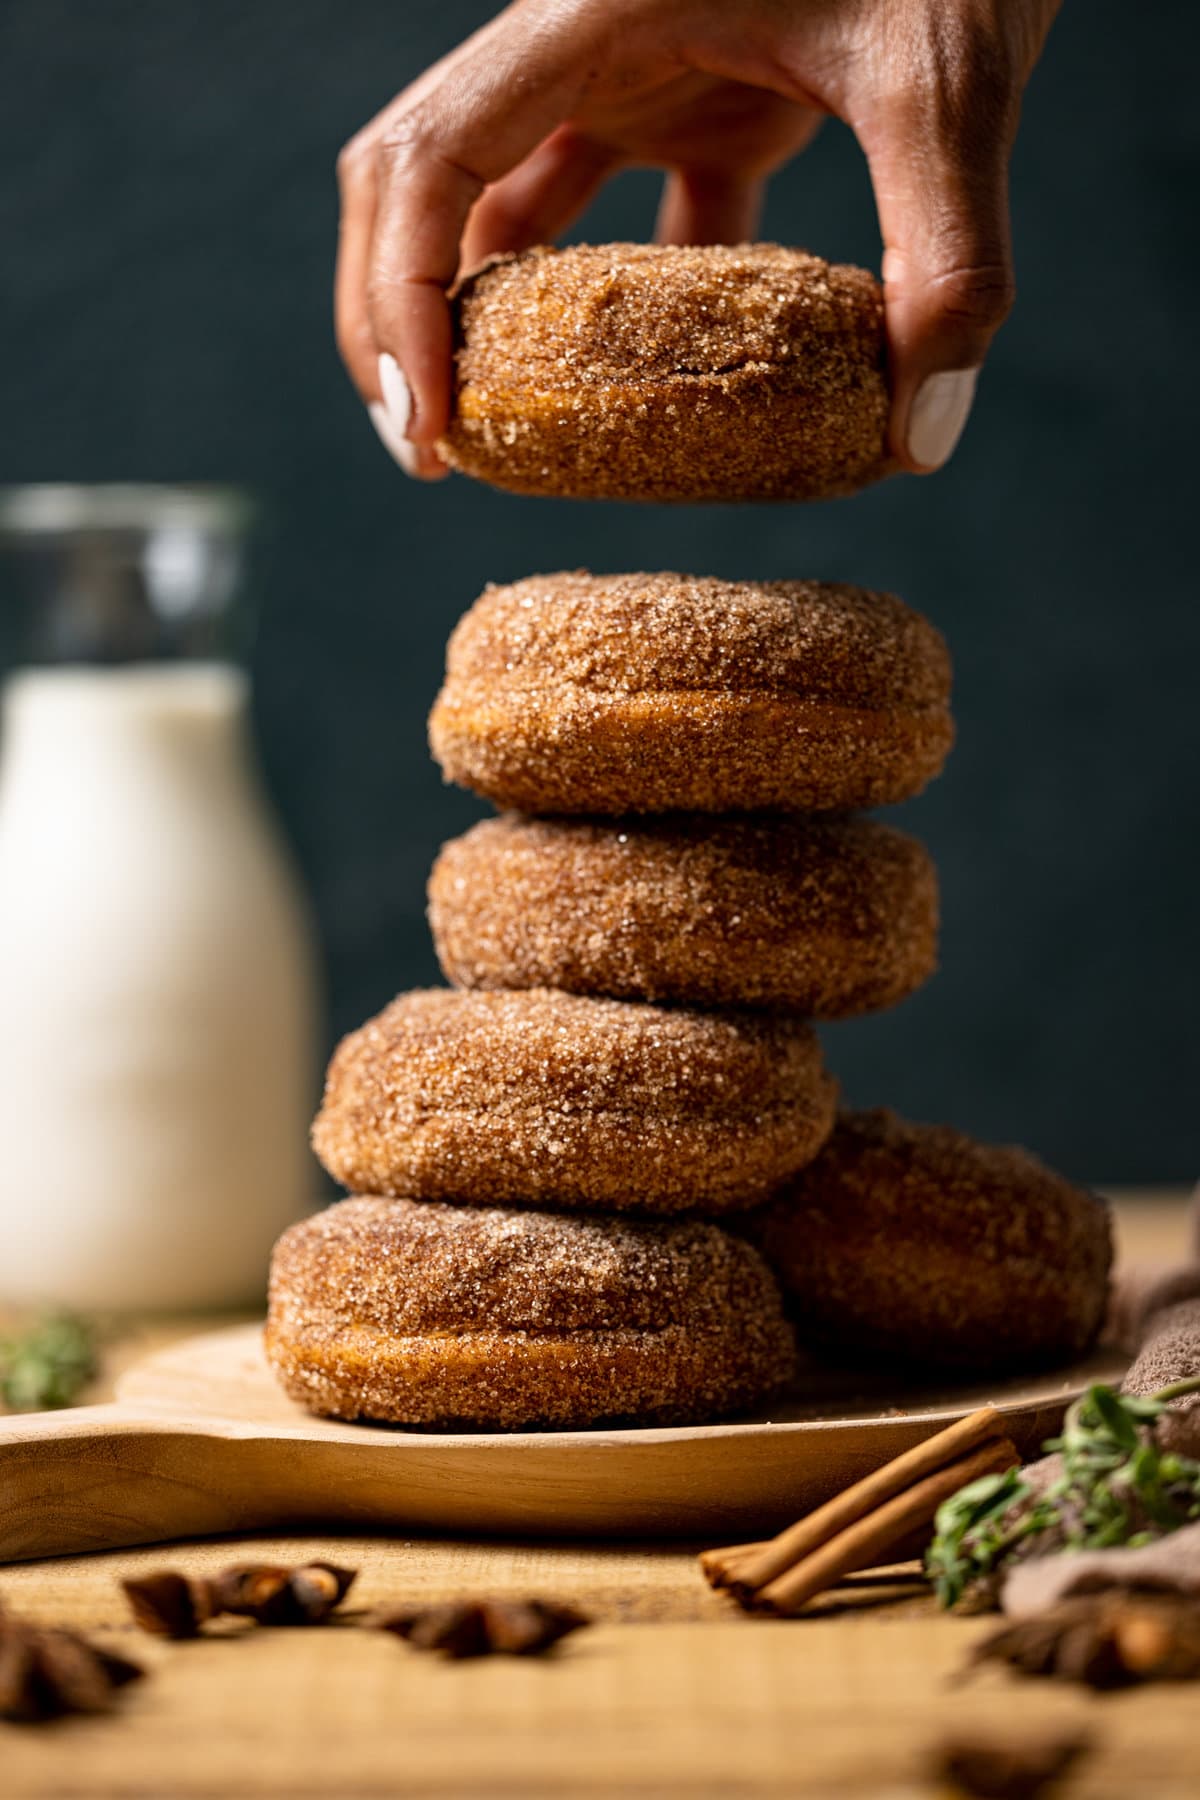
540	198
352	324
939	165
423	201
467	130
709	206
408	184
371	371
358	185
948	287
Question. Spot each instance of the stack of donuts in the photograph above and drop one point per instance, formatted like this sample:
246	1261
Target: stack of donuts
602	1176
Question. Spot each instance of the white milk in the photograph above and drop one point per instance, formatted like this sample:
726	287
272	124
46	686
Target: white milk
156	995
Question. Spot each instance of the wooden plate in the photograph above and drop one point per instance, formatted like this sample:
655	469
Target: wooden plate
201	1440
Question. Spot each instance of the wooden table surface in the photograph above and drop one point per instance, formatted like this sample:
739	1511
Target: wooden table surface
672	1692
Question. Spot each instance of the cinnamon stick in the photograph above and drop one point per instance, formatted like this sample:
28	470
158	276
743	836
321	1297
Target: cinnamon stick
866	1542
750	1566
716	1563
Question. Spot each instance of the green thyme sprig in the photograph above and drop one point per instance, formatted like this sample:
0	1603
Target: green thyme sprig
47	1365
1119	1486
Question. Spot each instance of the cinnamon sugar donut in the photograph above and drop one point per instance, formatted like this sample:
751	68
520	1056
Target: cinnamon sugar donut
550	1099
915	1242
651	372
424	1314
612	694
822	917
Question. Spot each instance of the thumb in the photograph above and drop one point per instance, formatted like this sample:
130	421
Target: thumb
941	188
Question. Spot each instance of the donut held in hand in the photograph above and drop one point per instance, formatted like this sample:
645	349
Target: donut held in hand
667	372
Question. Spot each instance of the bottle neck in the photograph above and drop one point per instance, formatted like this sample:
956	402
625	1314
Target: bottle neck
120	575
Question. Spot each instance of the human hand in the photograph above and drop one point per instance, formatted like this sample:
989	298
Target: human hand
502	144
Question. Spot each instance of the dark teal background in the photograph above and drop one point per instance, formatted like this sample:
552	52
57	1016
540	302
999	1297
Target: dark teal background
167	215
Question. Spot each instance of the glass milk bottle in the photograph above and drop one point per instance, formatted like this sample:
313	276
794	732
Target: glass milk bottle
157	991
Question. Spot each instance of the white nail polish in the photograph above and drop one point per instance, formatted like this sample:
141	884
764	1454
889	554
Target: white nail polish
390	415
939	412
396	395
398	448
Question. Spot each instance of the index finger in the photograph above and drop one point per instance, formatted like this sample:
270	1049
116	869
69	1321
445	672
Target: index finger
358	189
480	117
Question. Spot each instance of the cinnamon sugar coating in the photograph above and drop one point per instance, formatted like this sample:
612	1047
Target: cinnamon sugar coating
551	1099
915	1242
423	1314
826	917
651	372
614	694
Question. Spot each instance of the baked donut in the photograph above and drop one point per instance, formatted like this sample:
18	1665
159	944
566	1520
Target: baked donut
551	1099
825	917
652	372
424	1314
613	694
919	1244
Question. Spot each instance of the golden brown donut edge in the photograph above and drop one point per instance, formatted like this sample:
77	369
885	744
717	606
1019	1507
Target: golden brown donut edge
826	918
647	693
424	1314
541	1098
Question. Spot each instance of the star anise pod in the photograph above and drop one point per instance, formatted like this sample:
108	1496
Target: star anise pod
304	1595
176	1606
462	1628
168	1604
1008	1768
46	1672
1108	1640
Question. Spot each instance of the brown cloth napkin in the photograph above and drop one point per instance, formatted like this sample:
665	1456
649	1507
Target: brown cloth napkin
1158	1313
1170	1566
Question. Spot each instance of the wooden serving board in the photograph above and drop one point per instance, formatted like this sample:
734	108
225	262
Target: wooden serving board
200	1440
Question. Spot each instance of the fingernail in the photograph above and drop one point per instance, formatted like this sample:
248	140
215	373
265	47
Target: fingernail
398	448
391	417
939	412
396	395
